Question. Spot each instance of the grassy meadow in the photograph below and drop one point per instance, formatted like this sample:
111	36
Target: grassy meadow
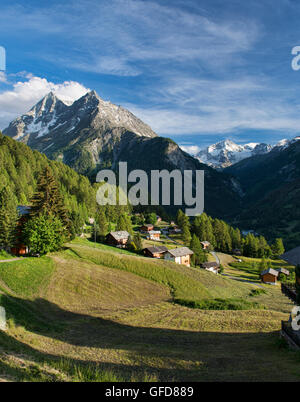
97	313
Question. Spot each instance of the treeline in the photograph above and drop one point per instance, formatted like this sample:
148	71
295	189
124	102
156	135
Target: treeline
20	170
27	177
225	238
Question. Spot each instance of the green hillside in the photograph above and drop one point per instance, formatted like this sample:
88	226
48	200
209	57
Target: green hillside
21	167
98	314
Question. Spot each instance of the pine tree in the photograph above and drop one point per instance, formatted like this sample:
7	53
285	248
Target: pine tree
203	229
49	200
124	223
8	219
186	234
262	265
102	223
182	220
278	248
137	240
199	255
151	218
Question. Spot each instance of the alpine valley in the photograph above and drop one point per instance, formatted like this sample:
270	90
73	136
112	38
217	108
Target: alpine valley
92	134
253	186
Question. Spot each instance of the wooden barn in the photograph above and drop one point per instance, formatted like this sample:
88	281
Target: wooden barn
181	255
118	239
155	252
211	266
269	276
154	235
283	271
205	244
147	227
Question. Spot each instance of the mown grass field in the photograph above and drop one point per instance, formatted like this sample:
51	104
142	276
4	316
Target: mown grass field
99	314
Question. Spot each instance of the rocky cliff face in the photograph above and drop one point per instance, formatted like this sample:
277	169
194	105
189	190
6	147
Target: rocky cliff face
81	134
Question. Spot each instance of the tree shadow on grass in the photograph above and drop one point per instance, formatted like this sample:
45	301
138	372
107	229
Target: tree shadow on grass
181	354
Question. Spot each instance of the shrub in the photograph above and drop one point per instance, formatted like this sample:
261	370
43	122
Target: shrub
257	292
44	234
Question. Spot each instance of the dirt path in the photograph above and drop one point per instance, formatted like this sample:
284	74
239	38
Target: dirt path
11	260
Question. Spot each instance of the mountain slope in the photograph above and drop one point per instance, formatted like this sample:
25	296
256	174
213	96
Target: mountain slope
271	186
76	134
92	134
21	167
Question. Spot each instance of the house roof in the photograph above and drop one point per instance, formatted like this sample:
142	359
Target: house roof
156	250
148	225
212	264
283	271
23	210
292	256
154	232
270	271
205	243
180	251
122	234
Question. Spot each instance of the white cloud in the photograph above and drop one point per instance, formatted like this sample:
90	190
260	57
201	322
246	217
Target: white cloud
25	94
122	37
190	149
3	78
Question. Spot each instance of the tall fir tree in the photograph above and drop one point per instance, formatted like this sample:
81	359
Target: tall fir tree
8	219
101	222
186	234
203	229
199	255
278	248
49	200
124	223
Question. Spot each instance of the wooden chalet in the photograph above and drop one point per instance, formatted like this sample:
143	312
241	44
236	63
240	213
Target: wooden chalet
155	252
154	235
211	267
283	271
269	276
147	227
180	255
118	239
174	230
205	244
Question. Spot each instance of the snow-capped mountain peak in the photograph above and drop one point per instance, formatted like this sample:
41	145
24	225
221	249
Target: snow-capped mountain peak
52	116
225	153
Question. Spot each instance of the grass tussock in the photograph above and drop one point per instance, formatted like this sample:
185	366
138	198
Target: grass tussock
257	292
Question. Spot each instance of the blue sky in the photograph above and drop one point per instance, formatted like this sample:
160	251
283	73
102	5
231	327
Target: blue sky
196	71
